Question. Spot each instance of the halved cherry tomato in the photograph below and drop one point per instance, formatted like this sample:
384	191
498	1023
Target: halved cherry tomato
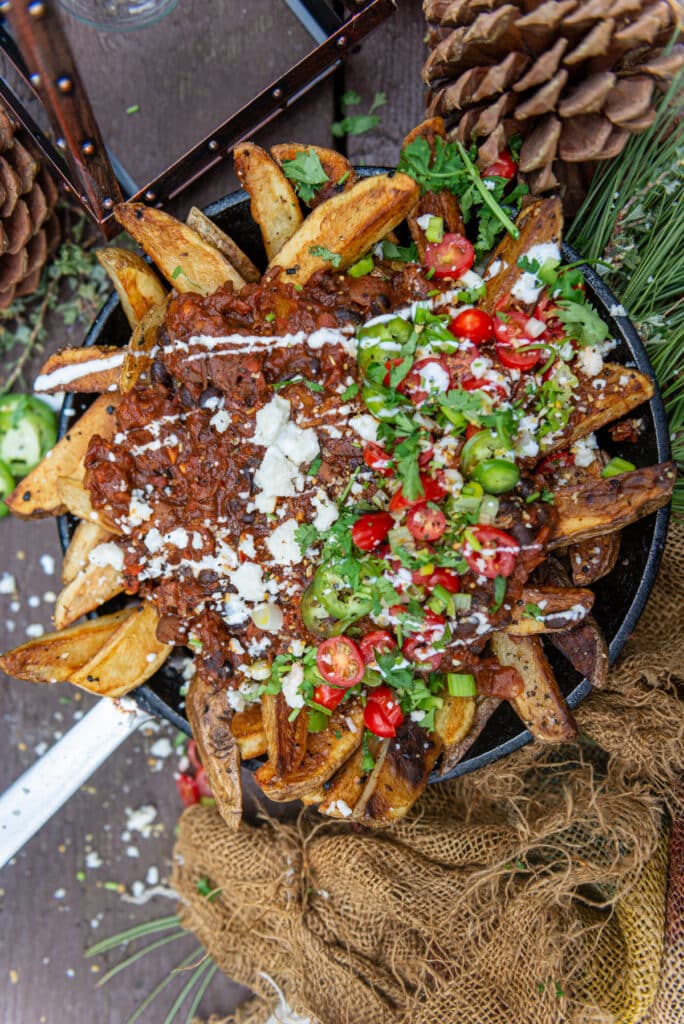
328	696
425	457
426	523
377	459
188	789
510	336
471	430
555	461
503	167
382	713
429	376
546	310
433	490
193	756
389	366
439	578
473	324
451	257
340	661
370	530
481	384
496	555
203	783
419	646
380	641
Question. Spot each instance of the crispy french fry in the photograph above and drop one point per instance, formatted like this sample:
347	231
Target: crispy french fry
347	225
136	283
274	205
209	717
341	175
75	498
137	359
248	730
85	537
484	709
541	706
539	222
560	608
54	657
84	370
187	262
601	506
89	589
38	493
400	776
130	655
213	234
285	740
326	752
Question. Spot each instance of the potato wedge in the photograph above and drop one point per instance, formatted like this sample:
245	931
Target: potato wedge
38	493
560	608
130	656
137	359
210	719
76	499
541	706
584	645
187	262
248	730
274	205
591	560
341	174
454	720
89	589
54	657
540	222
85	537
326	752
427	129
484	709
285	740
84	370
347	786
399	777
601	506
437	204
213	234
347	225
136	283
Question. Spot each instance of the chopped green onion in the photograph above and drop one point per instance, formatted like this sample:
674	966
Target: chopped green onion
489	509
472	540
362	267
318	721
617	466
435	229
462	602
461	684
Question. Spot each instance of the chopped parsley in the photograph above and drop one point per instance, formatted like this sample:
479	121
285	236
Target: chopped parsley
306	173
306	534
401	253
179	272
315	466
499	593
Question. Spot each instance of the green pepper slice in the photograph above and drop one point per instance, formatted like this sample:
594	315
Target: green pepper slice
380	342
483	445
315	616
333	592
496	476
6	487
28	430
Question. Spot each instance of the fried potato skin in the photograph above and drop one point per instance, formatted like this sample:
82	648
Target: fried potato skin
85	537
484	709
340	172
96	370
136	283
541	706
248	730
348	224
539	222
399	777
89	589
274	203
213	234
210	717
561	606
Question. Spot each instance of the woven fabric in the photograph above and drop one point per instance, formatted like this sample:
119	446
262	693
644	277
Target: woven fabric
535	890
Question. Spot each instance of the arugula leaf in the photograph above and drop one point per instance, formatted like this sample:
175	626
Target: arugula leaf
582	322
306	173
325	254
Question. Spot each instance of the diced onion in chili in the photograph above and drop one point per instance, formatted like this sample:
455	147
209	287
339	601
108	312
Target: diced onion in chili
268	617
489	508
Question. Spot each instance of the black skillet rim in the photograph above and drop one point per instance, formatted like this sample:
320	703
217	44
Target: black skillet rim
151	702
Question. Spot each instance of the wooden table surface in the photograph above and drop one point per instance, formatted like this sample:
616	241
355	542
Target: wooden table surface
92	870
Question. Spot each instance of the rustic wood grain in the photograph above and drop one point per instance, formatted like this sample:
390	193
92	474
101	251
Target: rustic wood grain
187	73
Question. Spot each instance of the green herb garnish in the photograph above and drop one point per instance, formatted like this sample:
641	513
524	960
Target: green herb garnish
306	173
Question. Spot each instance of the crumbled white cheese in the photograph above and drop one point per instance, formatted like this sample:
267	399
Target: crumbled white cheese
528	286
291	683
300	446
342	807
248	580
526	446
178	537
108	553
270	419
590	361
154	541
282	544
365	426
220	421
8	584
585	451
424	221
138	511
275	477
246	545
326	510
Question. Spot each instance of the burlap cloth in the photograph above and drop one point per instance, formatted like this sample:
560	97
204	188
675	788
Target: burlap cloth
532	892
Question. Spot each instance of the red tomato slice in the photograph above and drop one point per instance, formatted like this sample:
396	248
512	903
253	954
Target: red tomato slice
480	384
471	430
503	167
429	376
497	554
380	641
473	324
377	459
370	530
546	310
328	696
555	461
419	646
188	789
425	457
426	523
340	661
433	490
451	257
439	578
382	713
510	336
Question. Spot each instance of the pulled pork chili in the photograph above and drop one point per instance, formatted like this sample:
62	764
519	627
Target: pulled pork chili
326	499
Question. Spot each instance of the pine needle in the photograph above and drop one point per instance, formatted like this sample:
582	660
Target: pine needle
139	931
185	991
134	957
199	994
171	976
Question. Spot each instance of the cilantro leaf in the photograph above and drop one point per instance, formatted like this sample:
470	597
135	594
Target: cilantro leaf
402	253
350	392
306	173
582	322
357	124
325	254
306	535
499	593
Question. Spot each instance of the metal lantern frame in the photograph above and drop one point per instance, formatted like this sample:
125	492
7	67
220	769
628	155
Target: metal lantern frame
34	42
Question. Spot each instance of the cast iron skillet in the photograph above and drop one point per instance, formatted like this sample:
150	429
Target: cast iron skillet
620	597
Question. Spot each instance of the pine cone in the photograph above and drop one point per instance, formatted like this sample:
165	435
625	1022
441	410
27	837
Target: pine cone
574	77
29	228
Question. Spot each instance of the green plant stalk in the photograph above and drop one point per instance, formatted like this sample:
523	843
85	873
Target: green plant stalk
200	993
141	953
139	931
149	999
186	990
